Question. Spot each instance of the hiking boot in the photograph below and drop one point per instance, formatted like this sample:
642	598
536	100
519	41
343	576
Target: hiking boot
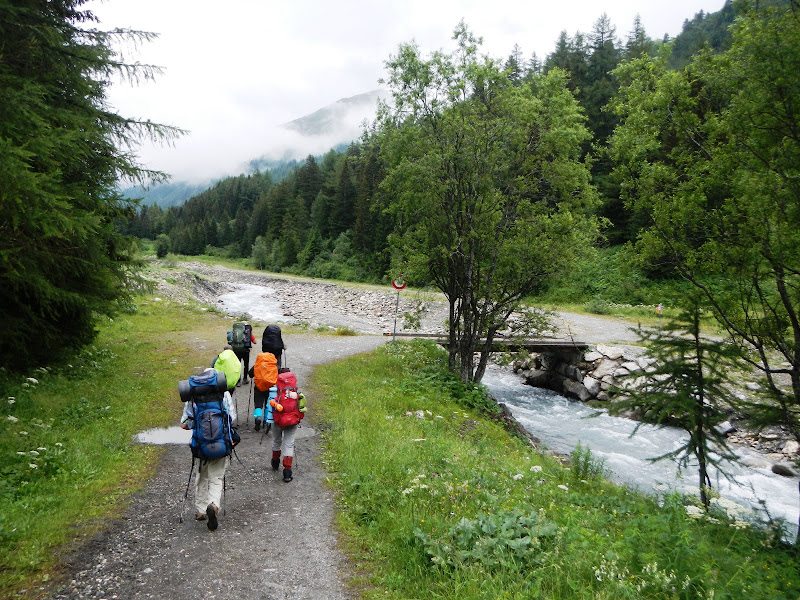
287	476
211	513
275	464
258	424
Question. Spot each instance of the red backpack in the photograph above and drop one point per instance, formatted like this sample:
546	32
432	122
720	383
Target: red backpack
288	398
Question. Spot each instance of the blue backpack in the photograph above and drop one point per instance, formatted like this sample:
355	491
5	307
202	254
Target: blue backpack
213	435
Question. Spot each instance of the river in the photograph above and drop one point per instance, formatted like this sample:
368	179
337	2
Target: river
561	424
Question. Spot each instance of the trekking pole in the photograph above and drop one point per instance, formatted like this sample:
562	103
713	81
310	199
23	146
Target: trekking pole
224	501
249	395
186	493
265	430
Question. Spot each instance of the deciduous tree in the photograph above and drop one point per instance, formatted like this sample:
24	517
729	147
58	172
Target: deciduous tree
490	195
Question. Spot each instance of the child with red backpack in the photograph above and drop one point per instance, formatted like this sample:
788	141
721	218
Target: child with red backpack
288	409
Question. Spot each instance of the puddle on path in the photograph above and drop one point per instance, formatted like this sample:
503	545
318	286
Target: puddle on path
164	435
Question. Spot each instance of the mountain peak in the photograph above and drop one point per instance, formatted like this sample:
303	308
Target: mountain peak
344	117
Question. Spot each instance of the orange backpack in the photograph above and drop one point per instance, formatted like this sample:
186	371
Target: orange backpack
265	371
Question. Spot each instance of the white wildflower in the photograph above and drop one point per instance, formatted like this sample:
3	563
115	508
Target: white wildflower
59	444
12	418
419	440
694	512
32	381
33	465
517	477
563	487
12	400
536	469
21	454
42	449
407	491
34	453
23	433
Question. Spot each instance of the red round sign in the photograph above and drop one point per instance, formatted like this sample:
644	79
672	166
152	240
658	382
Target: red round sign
399	283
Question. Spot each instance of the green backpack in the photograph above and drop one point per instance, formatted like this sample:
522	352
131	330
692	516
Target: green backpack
238	338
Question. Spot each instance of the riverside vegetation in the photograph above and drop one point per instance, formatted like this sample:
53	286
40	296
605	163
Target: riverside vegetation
436	497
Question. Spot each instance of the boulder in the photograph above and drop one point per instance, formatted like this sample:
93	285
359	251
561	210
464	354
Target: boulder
783	469
592	385
791	447
725	428
605	367
592	356
538	378
573	389
621	372
612	352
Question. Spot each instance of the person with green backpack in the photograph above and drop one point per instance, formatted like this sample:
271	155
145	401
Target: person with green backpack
241	340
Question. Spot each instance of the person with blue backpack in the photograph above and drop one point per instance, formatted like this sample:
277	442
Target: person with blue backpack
210	413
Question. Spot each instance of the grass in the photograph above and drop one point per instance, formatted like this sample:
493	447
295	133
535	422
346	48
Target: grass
66	434
438	500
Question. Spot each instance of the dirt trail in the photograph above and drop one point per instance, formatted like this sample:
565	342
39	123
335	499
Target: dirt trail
274	541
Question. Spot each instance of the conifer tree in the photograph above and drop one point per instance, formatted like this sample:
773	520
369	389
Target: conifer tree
62	151
687	387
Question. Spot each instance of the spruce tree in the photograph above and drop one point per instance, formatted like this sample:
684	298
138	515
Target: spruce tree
687	388
62	151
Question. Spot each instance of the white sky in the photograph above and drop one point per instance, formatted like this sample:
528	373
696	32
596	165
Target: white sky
235	70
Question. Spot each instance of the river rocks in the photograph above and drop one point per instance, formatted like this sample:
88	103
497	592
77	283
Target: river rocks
592	375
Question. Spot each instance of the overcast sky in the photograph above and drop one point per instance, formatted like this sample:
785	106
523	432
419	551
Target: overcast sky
236	70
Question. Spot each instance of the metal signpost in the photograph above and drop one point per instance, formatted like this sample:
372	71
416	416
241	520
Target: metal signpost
397	284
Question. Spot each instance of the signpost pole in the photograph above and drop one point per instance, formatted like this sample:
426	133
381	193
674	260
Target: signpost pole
397	284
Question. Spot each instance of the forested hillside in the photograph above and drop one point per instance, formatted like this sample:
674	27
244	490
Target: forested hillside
330	217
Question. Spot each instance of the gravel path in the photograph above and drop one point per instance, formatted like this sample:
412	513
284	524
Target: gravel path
274	541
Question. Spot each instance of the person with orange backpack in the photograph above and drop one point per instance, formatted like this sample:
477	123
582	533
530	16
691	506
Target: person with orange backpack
264	374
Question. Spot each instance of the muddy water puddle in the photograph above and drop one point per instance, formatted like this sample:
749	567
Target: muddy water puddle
164	435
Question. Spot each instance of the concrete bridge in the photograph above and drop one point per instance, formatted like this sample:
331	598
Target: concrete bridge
548	345
576	369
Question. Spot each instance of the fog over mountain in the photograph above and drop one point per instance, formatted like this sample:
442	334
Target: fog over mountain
332	126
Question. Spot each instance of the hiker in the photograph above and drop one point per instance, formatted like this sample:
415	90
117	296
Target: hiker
209	483
272	342
227	362
265	375
288	410
241	339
